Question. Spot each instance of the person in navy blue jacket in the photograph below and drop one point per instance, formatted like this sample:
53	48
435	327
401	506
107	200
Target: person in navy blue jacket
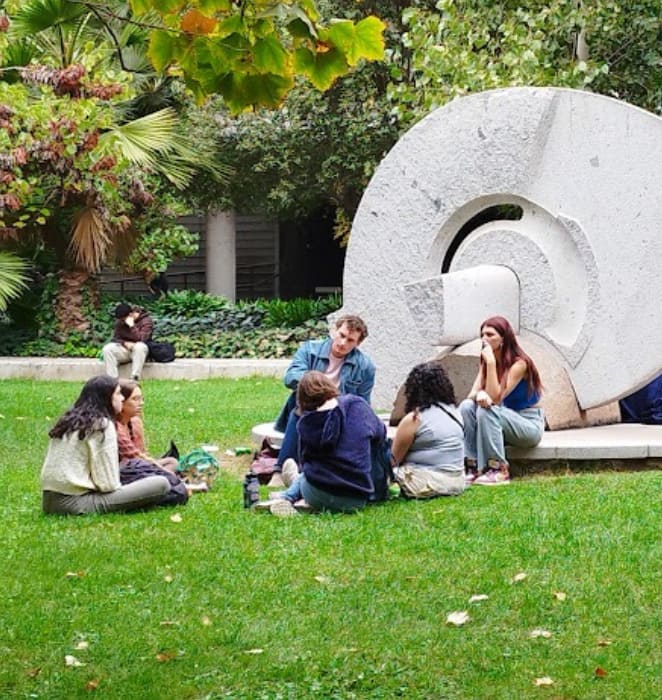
337	436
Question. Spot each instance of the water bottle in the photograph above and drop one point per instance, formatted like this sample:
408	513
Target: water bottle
251	490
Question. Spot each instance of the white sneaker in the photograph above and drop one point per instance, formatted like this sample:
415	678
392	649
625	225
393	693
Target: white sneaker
282	508
290	472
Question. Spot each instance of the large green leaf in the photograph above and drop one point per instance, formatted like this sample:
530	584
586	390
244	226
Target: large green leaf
211	6
363	40
320	68
242	91
162	49
370	39
140	7
270	56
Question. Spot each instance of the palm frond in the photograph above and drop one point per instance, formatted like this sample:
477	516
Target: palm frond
37	15
141	140
90	241
12	277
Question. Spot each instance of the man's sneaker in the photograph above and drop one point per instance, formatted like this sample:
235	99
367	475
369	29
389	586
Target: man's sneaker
276	481
290	472
282	508
493	477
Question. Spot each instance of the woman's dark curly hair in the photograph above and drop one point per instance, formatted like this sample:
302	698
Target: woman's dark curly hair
427	385
92	410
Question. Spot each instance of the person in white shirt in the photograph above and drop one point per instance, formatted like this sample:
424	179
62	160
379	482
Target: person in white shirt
81	471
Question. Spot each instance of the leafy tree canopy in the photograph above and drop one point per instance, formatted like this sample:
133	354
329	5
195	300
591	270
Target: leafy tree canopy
249	51
456	47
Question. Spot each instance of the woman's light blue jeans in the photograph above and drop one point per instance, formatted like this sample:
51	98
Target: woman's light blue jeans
488	430
322	500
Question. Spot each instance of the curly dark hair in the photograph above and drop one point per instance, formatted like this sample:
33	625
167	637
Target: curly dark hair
427	385
92	409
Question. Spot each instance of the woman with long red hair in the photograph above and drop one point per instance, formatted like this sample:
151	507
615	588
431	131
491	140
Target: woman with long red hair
503	406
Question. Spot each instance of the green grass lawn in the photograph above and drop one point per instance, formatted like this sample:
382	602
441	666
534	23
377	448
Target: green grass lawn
232	604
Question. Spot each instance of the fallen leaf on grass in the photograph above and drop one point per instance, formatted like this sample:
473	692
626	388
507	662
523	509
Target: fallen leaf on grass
164	656
477	598
82	645
33	672
600	672
519	577
253	651
92	684
322	579
543	682
168	623
206	621
604	643
70	660
74	574
534	634
176	518
457	618
560	595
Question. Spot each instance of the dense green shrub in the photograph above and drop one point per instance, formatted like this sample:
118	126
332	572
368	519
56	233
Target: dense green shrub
199	325
262	342
187	303
293	312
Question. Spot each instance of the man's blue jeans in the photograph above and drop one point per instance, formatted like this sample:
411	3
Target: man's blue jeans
290	446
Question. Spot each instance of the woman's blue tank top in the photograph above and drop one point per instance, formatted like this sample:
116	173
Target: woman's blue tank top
519	398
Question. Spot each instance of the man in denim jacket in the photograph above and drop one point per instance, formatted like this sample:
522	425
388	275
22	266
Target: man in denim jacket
340	359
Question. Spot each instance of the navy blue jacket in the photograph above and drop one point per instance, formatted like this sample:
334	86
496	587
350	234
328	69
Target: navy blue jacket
336	446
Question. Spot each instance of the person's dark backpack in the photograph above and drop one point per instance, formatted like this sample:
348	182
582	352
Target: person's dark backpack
161	351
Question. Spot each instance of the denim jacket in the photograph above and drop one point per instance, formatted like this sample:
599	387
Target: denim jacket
357	372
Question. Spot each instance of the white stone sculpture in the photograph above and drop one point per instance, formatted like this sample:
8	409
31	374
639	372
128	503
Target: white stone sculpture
581	267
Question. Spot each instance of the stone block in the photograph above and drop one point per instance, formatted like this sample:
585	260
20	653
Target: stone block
448	309
578	168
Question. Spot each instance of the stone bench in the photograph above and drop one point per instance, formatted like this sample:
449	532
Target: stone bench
617	442
82	368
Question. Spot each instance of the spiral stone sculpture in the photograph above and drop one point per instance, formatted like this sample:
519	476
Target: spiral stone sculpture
540	204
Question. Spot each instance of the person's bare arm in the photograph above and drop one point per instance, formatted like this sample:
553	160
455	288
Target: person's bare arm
404	436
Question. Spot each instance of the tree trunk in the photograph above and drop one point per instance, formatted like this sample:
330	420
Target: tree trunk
78	292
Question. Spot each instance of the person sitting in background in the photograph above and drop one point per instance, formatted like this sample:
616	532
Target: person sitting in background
81	472
338	436
338	357
133	328
503	406
428	446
